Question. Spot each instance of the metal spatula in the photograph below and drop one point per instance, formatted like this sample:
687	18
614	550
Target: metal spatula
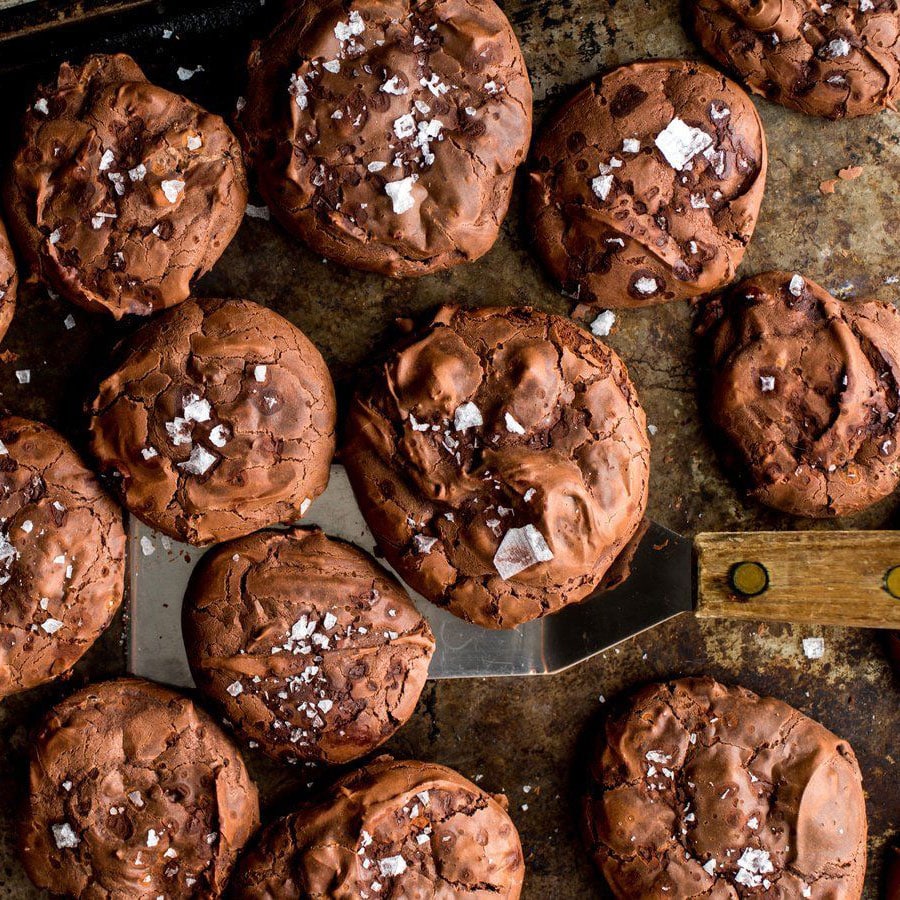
833	578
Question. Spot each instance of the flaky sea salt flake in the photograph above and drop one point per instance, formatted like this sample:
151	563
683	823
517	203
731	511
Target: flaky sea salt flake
679	143
198	462
520	549
814	647
172	188
401	195
602	325
467	415
65	836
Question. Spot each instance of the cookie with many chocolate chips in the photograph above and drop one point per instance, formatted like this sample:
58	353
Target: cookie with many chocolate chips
701	790
389	830
219	421
62	556
134	793
804	392
8	282
501	460
646	185
122	193
311	649
832	59
386	135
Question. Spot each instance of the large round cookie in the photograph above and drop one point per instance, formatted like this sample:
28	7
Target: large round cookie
390	830
501	459
122	194
804	391
386	134
311	649
134	794
646	185
8	282
220	420
700	790
62	556
831	59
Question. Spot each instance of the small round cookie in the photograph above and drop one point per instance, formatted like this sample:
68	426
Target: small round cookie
8	282
386	133
804	391
220	420
835	59
391	829
62	556
122	194
134	793
501	460
646	185
311	649
701	790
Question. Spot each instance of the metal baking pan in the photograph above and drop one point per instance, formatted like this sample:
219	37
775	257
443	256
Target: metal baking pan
524	732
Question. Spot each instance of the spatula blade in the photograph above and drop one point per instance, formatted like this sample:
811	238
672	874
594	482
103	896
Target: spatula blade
659	587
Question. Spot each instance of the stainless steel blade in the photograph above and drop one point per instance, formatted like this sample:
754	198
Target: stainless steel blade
659	588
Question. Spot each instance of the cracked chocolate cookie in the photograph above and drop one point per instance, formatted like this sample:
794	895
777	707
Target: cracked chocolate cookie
831	59
646	185
701	790
389	830
62	556
386	135
501	460
219	421
804	392
8	282
122	193
135	794
312	650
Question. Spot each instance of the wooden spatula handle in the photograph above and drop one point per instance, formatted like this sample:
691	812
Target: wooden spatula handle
824	577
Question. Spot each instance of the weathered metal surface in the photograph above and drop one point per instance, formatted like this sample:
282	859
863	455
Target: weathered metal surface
518	732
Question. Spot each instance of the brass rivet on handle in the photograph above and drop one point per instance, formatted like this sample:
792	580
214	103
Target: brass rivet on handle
750	579
892	582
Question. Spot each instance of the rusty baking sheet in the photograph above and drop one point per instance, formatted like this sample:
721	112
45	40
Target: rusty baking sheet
510	733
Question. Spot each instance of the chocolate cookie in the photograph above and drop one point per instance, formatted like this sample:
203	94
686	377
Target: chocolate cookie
501	460
646	185
389	830
122	194
219	421
804	391
386	135
8	282
310	648
701	790
134	793
831	59
62	556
